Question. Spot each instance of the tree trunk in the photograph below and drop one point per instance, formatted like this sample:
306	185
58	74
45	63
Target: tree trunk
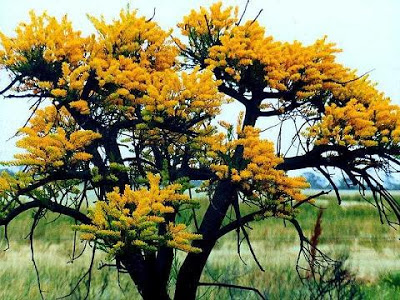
191	269
146	276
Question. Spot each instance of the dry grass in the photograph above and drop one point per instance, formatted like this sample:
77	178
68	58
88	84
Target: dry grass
373	251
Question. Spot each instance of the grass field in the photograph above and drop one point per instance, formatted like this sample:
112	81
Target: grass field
353	230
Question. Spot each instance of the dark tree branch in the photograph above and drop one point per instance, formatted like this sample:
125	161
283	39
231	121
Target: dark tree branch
52	206
195	173
329	178
14	81
234	94
244	12
255	19
343	83
27	96
152	17
16	211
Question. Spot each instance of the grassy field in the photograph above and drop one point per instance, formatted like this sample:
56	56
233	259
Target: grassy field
352	230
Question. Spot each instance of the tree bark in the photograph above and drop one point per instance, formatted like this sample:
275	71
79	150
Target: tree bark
191	269
145	275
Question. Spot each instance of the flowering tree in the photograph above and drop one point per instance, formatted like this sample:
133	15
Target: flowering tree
127	113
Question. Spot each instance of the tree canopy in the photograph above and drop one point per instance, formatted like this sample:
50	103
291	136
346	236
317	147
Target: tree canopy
129	112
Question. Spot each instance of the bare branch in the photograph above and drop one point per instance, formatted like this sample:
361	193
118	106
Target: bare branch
255	19
152	17
244	11
343	83
329	178
246	236
6	237
14	81
311	197
237	223
36	219
233	286
88	274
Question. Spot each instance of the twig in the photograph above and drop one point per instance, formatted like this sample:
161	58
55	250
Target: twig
255	19
36	219
152	17
244	11
6	237
343	83
311	197
87	273
328	177
246	236
10	85
233	286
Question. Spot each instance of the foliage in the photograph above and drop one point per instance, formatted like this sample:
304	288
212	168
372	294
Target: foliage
117	225
130	117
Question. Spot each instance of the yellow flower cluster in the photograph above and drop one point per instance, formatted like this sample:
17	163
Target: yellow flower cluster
214	21
57	40
50	52
136	56
49	145
81	105
59	93
185	96
133	37
181	239
73	78
132	62
356	113
126	54
123	72
11	183
5	184
358	125
240	47
258	173
133	218
283	64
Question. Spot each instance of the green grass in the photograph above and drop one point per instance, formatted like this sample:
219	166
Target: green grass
355	230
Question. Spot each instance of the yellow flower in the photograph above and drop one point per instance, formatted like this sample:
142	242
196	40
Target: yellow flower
139	212
81	106
59	92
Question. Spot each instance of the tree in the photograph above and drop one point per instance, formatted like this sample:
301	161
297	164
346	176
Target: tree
315	181
129	114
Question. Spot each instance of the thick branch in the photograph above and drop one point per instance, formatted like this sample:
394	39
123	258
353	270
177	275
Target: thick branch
315	158
195	174
234	94
17	211
52	206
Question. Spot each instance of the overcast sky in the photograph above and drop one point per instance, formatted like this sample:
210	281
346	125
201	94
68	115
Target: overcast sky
366	30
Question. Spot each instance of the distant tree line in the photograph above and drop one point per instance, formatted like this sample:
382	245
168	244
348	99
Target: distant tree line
318	182
11	172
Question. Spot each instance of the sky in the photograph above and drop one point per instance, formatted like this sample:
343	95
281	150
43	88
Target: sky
366	30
